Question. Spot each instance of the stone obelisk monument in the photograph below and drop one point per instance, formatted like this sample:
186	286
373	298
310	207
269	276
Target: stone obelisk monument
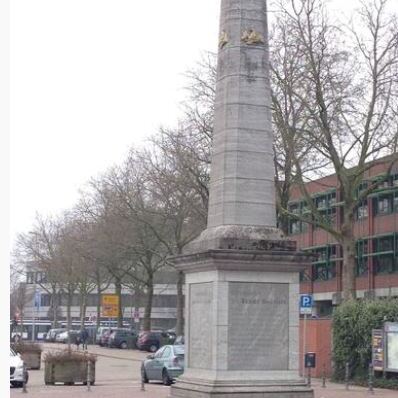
242	276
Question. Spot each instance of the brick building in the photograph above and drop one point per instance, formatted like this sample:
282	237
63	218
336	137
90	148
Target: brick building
376	231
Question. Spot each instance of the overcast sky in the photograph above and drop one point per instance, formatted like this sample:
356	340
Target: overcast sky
89	78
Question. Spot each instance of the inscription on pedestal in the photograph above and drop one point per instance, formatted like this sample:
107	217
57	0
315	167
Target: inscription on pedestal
200	325
258	337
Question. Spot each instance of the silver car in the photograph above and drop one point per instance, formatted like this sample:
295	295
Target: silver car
165	365
18	372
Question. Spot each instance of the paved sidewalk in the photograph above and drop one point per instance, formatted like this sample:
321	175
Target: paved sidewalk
334	390
118	376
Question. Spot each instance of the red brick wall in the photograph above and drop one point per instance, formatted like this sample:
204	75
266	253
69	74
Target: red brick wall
386	281
319	340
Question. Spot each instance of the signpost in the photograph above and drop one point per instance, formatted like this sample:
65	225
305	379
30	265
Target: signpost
306	302
110	305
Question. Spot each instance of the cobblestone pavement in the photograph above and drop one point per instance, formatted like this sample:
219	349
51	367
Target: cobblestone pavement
118	376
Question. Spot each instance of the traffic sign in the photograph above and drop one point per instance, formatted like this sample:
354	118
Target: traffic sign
110	305
306	304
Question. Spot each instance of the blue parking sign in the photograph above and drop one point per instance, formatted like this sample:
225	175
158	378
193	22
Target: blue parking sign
306	304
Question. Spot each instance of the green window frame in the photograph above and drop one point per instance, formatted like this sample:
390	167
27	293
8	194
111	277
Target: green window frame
324	268
385	254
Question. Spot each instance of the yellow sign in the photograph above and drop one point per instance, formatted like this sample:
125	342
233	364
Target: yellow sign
110	305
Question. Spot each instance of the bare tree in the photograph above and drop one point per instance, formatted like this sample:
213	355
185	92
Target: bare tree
38	248
347	98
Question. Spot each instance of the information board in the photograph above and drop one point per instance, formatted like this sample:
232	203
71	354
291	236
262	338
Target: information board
391	344
378	349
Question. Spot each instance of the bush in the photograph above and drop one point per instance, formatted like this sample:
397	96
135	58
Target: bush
69	356
353	322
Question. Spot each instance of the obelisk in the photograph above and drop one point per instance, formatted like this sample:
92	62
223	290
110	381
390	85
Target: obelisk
242	275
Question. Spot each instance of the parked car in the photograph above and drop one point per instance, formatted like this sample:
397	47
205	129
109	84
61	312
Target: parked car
165	365
100	331
152	340
123	338
105	337
52	334
17	373
180	340
63	337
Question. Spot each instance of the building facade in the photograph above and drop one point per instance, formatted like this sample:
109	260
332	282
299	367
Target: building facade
376	232
164	303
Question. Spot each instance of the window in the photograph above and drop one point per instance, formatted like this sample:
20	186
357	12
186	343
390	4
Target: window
45	300
92	300
294	227
325	263
30	277
384	264
362	210
383	244
166	352
395	204
385	254
361	257
384	205
324	271
164	301
159	353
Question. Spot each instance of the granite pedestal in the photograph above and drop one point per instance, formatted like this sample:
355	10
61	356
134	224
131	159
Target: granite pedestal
242	324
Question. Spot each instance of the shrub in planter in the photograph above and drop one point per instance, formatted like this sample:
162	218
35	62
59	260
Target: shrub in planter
30	353
69	367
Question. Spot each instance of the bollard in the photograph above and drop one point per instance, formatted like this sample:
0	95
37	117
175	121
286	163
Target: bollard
324	377
370	380
347	375
309	377
24	379
88	376
142	384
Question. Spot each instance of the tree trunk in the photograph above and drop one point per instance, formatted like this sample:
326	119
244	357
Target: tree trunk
54	307
98	305
148	305
349	262
118	292
180	305
68	316
83	308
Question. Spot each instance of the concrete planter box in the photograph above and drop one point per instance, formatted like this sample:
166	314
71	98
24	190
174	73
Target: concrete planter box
68	372
30	354
32	359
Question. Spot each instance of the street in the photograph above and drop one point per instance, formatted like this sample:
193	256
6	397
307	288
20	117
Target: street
118	375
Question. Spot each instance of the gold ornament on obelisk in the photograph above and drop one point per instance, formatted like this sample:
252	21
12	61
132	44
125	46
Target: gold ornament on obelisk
223	39
252	37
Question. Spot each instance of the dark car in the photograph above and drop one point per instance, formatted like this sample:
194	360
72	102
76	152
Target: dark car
151	340
166	365
123	338
52	334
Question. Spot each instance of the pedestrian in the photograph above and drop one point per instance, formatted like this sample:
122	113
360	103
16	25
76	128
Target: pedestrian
84	338
77	342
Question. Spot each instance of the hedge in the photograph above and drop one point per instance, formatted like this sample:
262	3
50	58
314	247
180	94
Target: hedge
353	322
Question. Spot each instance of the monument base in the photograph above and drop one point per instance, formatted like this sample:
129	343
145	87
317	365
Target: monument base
186	388
242	324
